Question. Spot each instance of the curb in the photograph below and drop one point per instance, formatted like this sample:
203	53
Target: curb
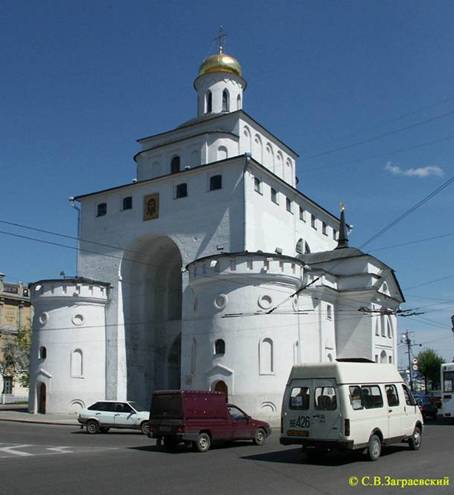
39	422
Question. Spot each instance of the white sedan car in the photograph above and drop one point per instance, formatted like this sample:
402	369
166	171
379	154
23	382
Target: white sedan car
102	415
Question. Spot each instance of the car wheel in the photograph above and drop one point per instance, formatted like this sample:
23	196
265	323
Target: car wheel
145	427
104	429
92	426
259	436
374	448
416	439
203	443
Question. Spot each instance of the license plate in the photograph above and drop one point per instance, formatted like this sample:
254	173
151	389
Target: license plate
298	433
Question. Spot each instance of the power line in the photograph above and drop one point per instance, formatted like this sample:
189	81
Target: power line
382	135
410	243
410	210
390	121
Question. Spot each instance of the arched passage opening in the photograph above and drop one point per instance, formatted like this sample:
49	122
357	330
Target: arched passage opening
152	305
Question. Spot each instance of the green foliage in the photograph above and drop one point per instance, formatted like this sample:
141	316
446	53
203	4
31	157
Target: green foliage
15	356
429	364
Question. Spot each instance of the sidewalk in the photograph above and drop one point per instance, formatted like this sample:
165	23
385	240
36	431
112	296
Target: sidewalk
18	413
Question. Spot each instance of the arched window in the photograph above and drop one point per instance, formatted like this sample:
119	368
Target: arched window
77	364
222	153
175	164
42	352
225	101
219	347
307	249
238	102
383	357
266	364
208	102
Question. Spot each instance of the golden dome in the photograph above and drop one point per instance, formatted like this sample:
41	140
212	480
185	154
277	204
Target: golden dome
221	62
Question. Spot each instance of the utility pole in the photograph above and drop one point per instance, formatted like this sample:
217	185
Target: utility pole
407	341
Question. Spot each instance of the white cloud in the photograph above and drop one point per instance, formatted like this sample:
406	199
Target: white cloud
420	172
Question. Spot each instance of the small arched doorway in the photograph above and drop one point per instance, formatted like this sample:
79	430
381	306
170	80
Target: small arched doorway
41	398
221	386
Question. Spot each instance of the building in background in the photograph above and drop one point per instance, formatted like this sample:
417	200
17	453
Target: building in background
15	327
210	271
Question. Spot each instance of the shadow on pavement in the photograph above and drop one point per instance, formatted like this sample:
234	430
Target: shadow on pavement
297	456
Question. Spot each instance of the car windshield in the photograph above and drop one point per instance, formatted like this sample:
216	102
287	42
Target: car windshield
136	406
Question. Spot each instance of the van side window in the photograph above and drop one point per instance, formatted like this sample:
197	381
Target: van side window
325	398
355	397
410	401
299	398
371	396
391	395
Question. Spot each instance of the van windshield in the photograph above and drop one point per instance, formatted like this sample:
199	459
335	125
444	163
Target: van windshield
167	406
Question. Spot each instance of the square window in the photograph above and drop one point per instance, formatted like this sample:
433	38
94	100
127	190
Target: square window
127	203
257	185
181	191
324	228
215	182
101	209
313	222
302	214
288	205
274	197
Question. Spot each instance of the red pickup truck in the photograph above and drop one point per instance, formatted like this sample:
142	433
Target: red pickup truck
200	418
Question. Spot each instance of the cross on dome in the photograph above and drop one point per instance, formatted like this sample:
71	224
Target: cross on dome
220	39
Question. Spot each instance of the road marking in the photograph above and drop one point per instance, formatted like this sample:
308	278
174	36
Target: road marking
13	450
61	450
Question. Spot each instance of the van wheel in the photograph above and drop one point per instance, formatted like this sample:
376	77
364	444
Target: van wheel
416	439
374	448
145	427
203	443
259	436
92	426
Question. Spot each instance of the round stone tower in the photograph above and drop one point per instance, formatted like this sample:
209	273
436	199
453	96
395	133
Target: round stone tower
68	356
235	339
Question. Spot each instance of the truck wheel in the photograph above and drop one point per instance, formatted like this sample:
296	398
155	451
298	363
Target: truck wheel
203	443
259	436
416	439
145	427
374	447
92	426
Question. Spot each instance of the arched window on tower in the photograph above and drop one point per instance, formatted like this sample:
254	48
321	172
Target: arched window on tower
238	102
175	164
208	102
225	101
77	364
266	358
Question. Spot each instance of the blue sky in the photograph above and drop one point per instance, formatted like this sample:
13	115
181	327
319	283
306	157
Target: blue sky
81	81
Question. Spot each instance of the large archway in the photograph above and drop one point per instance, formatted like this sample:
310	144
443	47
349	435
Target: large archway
152	308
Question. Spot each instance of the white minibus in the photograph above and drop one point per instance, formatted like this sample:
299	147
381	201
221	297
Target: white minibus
349	405
447	391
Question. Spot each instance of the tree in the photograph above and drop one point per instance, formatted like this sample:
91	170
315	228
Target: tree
15	357
429	364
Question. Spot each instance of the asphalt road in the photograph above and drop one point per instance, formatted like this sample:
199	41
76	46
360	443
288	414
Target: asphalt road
39	459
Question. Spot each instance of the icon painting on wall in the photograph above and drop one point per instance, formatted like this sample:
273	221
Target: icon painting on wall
151	206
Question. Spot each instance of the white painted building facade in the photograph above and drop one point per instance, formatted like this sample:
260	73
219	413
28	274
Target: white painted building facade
178	270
